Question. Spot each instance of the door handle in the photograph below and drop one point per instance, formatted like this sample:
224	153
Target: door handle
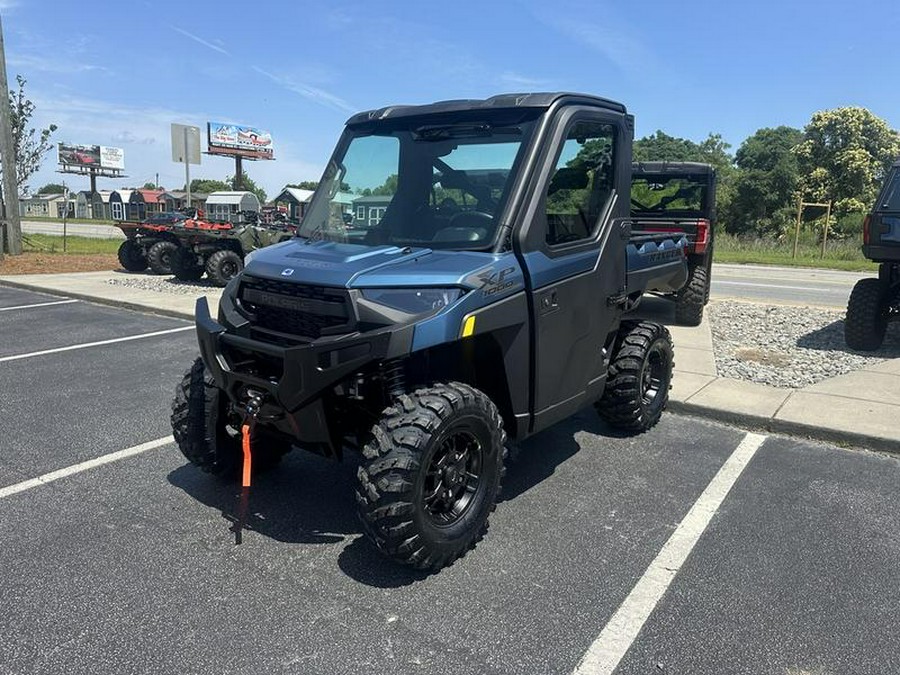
549	302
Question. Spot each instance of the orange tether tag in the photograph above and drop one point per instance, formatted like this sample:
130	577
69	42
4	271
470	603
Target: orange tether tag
248	458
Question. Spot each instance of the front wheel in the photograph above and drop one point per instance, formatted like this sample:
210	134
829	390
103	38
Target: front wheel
222	266
640	375
432	475
208	433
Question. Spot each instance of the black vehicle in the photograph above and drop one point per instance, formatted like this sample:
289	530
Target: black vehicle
876	302
679	197
484	303
150	242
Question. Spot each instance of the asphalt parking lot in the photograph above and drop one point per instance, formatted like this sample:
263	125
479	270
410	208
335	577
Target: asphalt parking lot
129	566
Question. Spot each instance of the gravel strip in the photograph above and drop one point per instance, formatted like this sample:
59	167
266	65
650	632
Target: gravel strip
164	284
787	347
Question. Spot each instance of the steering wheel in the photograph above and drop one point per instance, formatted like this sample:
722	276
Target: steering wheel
471	219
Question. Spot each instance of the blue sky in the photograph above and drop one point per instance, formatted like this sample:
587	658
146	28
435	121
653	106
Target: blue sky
118	73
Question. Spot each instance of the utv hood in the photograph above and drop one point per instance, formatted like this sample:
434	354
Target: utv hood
326	263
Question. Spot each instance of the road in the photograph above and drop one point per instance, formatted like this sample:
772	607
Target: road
784	285
632	553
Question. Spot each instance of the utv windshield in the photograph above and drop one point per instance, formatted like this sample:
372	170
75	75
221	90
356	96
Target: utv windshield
419	184
675	195
890	198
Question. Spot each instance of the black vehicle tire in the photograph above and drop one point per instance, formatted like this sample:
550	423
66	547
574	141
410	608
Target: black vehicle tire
131	256
640	376
185	266
222	266
691	298
208	436
160	256
432	474
867	319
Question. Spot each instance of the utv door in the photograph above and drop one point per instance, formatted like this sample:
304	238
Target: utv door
572	245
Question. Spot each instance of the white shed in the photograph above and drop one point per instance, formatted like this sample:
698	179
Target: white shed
221	205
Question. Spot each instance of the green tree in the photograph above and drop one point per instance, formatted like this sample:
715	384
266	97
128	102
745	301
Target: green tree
150	185
249	185
844	156
51	189
304	185
30	145
766	182
207	185
389	187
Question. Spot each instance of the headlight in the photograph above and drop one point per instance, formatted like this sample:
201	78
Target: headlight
413	300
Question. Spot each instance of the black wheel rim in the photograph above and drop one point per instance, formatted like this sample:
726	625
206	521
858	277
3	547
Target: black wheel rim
229	269
453	478
653	375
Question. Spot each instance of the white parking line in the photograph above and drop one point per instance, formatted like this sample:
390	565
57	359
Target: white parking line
16	357
604	655
39	304
83	466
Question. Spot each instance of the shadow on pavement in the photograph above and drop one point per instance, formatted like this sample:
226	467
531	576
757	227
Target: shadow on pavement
310	500
830	338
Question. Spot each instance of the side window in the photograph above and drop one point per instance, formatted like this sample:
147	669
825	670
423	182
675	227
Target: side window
581	183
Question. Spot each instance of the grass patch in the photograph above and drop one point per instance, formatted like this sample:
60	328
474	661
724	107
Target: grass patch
839	255
51	243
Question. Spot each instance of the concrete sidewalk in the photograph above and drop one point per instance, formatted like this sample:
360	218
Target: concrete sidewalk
859	409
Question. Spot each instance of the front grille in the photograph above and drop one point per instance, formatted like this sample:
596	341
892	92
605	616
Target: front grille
295	309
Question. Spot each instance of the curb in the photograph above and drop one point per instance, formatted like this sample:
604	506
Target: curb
111	302
795	429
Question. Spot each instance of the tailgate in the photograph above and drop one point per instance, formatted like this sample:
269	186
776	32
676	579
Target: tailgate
881	236
696	230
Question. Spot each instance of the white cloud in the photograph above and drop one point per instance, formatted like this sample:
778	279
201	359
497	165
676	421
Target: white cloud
308	91
200	40
33	62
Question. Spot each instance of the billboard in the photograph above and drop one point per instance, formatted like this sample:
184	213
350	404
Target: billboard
237	139
91	156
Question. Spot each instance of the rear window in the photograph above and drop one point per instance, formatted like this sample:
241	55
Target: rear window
890	198
669	194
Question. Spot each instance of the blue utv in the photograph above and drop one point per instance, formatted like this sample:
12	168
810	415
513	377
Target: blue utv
459	279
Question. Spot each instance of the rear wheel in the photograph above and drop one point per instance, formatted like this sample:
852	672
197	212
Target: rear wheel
640	375
208	434
691	298
185	266
131	256
222	266
867	315
160	256
432	475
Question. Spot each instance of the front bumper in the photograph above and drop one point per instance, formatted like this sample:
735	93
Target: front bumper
293	378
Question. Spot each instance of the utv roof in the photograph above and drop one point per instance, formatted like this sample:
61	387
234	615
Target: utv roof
671	167
499	102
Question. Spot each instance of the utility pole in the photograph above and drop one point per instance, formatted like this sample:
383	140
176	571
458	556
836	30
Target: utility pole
11	222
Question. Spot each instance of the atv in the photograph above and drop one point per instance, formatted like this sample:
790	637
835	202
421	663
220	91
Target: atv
874	303
482	305
219	248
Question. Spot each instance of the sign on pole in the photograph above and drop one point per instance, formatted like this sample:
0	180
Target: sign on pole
186	148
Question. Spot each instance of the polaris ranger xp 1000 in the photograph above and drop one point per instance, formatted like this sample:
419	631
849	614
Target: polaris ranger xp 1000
460	277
